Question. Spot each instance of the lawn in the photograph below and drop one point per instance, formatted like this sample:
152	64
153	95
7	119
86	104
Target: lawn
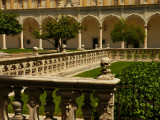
116	68
19	50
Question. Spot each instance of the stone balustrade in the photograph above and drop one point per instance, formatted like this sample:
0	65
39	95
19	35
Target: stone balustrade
134	54
52	64
67	88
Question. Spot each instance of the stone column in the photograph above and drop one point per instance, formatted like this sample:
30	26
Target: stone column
4	42
4	101
79	40
40	40
22	46
33	102
145	40
100	37
122	44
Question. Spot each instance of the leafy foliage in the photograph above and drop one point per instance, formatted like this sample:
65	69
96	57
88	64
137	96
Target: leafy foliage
64	29
9	25
130	33
138	92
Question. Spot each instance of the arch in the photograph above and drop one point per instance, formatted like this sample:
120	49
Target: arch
92	17
111	15
139	16
30	17
73	17
151	16
45	18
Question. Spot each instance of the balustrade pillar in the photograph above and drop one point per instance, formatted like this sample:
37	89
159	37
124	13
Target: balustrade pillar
79	40
145	40
33	102
4	42
100	37
87	108
105	108
68	105
49	105
4	101
17	104
22	46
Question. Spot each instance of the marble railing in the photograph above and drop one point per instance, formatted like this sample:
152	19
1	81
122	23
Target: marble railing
67	88
51	64
134	54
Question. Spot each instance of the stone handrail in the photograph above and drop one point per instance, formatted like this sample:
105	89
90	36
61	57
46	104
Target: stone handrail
68	88
50	64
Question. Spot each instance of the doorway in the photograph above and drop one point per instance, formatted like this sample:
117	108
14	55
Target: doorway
95	41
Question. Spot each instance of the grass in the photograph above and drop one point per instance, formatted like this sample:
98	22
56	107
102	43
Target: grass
116	68
19	50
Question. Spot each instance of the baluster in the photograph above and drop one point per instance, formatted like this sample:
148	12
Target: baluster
33	102
30	67
136	54
144	54
17	104
132	54
156	54
49	105
23	68
87	108
1	69
125	54
42	66
16	69
105	106
9	69
148	53
68	105
4	101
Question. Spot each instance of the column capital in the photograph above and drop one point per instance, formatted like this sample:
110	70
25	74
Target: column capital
145	26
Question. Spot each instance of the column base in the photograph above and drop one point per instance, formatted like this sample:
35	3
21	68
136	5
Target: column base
21	48
40	48
4	48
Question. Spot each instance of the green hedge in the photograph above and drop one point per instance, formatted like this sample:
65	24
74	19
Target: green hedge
138	93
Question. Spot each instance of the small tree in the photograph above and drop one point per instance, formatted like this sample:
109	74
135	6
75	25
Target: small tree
9	25
64	29
130	33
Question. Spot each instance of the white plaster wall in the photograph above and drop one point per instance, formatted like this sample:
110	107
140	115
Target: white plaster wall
15	4
8	4
13	41
25	3
46	44
72	43
33	3
154	32
51	3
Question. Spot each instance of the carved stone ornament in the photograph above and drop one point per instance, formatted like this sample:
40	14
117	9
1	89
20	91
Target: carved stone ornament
106	73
